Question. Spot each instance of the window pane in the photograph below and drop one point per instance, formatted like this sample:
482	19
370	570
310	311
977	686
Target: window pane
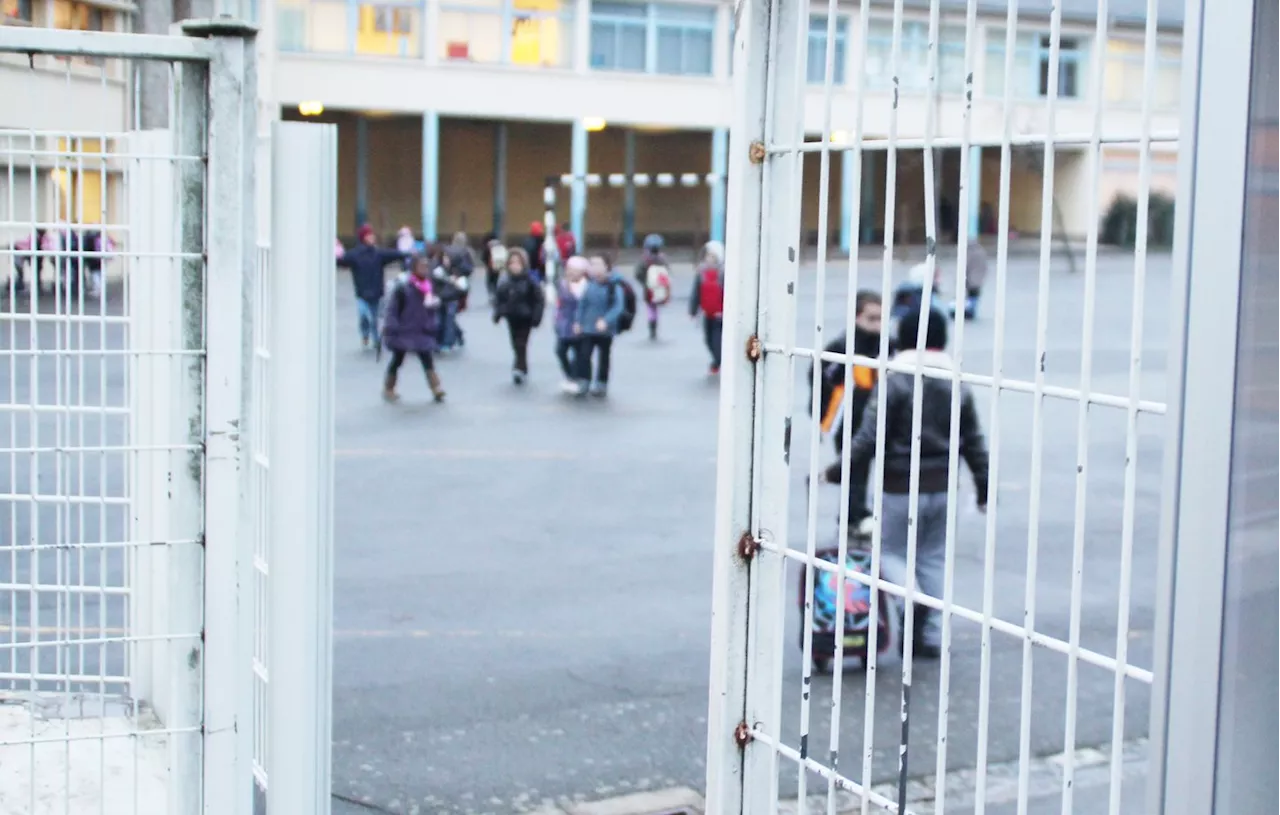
691	15
604	44
470	36
697	53
951	61
631	10
394	31
631	48
670	48
16	10
542	39
816	60
1025	64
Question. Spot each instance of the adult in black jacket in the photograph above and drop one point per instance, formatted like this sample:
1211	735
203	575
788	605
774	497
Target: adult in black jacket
367	263
866	342
935	454
520	302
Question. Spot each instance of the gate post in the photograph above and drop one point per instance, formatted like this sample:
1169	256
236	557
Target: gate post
733	580
299	519
229	251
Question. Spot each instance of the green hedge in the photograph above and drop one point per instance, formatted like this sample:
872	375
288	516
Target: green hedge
1120	224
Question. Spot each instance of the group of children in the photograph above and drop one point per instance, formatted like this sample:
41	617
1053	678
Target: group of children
592	302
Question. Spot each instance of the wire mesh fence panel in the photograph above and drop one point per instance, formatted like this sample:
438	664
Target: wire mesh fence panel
119	627
940	458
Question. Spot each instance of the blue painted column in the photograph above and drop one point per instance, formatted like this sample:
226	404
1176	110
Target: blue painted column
629	190
847	239
578	194
362	171
430	174
500	180
975	190
870	184
720	168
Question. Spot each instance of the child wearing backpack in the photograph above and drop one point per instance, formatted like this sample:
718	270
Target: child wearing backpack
520	302
599	318
569	290
708	298
654	275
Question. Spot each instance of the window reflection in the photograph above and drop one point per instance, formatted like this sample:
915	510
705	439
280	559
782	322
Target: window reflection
389	29
519	32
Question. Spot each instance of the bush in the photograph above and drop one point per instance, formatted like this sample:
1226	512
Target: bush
1120	225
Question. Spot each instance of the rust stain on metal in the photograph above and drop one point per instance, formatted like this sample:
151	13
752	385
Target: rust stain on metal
756	152
747	546
754	349
742	735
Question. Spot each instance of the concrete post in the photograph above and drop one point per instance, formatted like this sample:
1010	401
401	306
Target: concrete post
430	174
629	190
720	168
362	171
500	179
578	193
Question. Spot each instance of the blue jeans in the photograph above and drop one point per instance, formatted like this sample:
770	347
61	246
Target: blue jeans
368	319
450	333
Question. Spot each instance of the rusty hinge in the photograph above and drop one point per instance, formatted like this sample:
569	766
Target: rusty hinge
754	348
747	546
756	152
742	735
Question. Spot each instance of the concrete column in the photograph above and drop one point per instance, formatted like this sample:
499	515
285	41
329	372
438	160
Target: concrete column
629	191
847	239
578	193
362	171
975	189
430	173
500	179
720	168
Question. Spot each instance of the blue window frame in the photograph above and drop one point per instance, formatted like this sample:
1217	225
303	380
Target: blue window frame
656	38
816	61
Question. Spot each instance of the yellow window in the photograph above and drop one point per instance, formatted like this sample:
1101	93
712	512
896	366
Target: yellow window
79	182
389	31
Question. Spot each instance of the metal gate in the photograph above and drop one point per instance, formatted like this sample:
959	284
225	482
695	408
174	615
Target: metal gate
1047	602
137	519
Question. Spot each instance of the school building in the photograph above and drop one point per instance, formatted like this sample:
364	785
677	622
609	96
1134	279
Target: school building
453	113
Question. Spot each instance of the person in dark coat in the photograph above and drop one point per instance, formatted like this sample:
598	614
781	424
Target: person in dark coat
410	325
533	247
867	323
521	303
367	263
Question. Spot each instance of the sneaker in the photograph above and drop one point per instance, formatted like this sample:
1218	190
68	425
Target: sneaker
599	390
364	343
570	387
715	370
517	377
582	388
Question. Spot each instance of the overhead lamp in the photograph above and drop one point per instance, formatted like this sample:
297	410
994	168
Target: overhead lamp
311	108
839	137
593	124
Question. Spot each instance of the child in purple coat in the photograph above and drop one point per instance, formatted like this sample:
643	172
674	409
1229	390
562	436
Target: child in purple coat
411	324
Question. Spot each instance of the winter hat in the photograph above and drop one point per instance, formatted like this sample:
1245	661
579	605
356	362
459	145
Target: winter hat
935	335
653	243
365	233
713	249
536	229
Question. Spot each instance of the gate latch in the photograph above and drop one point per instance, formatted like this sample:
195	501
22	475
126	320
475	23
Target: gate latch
754	348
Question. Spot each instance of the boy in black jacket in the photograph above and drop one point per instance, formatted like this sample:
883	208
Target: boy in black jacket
866	342
935	456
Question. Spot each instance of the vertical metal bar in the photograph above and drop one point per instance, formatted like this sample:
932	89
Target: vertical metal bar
185	573
228	685
963	237
1150	48
733	576
1037	413
997	371
1213	160
301	453
1082	417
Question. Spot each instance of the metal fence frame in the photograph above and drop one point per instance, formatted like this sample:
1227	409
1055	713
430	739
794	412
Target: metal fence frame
766	142
252	481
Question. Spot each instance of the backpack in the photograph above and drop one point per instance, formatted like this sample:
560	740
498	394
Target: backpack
628	315
658	282
711	292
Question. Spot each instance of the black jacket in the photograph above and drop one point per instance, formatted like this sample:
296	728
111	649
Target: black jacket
366	264
533	247
864	344
520	300
935	429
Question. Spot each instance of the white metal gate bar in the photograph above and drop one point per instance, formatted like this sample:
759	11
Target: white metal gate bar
753	544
